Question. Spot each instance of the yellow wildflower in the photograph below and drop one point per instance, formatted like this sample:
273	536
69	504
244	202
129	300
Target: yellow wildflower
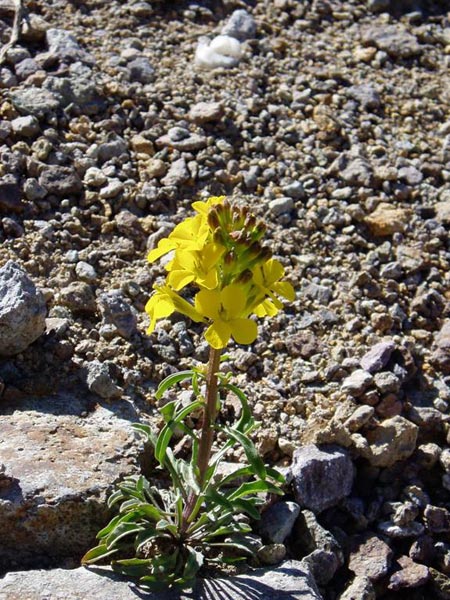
227	309
164	302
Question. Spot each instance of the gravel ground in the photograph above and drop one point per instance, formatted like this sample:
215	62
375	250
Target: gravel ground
333	124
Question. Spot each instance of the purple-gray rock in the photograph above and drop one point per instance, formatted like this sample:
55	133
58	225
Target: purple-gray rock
393	39
60	181
357	383
278	520
323	565
292	579
370	556
322	477
62	44
377	357
241	25
35	101
141	70
366	95
411	575
118	315
100	381
361	588
22	310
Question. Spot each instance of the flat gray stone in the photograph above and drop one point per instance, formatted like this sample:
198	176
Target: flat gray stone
60	462
290	581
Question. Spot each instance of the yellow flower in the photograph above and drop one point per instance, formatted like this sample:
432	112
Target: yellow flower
190	234
203	207
267	278
200	267
164	302
227	309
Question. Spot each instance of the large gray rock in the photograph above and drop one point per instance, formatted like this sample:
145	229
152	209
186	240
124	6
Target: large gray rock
291	580
321	476
22	310
60	462
241	25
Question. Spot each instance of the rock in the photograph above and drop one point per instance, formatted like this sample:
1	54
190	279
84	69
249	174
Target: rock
271	554
61	460
63	45
369	556
94	177
277	521
206	112
177	174
392	440
386	220
114	147
366	95
321	293
117	313
357	172
437	519
440	584
360	417
10	197
291	579
61	181
323	565
281	206
377	357
361	588
85	272
357	383
241	25
443	212
309	536
191	143
411	574
25	68
79	298
394	531
321	476
411	175
392	39
386	382
100	381
27	126
113	188
22	310
141	70
35	101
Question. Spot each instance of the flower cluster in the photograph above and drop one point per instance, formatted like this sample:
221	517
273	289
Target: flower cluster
219	252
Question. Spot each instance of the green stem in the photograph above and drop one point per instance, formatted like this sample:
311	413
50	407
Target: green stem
207	433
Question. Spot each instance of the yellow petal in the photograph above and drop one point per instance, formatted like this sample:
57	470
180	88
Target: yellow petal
265	309
233	300
218	334
164	246
273	271
244	331
207	303
285	289
158	306
203	207
179	279
209	281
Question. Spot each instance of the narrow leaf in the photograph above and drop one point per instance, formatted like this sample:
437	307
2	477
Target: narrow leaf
172	380
95	554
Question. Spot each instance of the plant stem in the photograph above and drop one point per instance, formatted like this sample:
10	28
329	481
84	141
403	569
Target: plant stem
210	414
207	433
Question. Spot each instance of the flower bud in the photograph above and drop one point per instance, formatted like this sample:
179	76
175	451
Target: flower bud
213	219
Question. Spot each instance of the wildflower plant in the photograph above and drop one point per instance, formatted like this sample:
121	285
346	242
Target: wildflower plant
218	274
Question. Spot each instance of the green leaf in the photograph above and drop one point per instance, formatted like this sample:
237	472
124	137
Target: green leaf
233	546
193	563
133	567
115	497
120	531
153	583
168	410
172	380
253	487
147	431
246	418
167	431
250	451
108	528
247	506
95	554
